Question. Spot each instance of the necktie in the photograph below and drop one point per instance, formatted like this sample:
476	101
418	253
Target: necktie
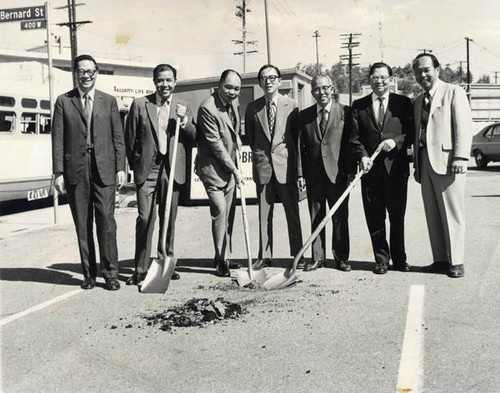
322	123
271	115
425	118
381	112
87	110
162	126
230	113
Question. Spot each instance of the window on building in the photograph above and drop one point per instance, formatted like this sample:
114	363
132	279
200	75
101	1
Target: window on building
28	123
7	101
29	103
7	121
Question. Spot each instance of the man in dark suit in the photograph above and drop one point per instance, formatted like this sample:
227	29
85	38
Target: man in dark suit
218	125
149	141
272	127
328	166
443	124
384	117
88	158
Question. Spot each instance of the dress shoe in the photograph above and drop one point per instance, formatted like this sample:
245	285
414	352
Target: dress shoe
380	268
436	267
301	264
261	263
222	269
88	283
456	271
310	266
132	280
112	284
140	278
175	276
343	265
405	268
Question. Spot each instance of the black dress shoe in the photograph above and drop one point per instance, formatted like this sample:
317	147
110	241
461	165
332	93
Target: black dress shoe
140	278
112	284
233	265
310	266
380	268
405	268
456	271
301	264
436	267
175	276
222	269
132	280
88	283
261	263
343	265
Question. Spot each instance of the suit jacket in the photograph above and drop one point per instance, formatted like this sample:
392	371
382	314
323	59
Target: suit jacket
333	150
69	133
278	154
449	128
398	125
217	141
141	137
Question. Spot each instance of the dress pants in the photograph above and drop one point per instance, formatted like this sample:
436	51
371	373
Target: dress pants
444	205
288	193
85	197
222	209
382	192
149	194
318	194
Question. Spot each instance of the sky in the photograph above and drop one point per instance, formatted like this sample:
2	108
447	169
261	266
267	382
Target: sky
196	35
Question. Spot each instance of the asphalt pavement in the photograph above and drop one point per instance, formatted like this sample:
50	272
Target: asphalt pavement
331	332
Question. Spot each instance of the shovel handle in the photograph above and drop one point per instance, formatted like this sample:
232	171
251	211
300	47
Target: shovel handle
245	220
330	213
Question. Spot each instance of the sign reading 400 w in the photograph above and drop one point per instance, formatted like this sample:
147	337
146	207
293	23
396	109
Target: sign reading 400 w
20	14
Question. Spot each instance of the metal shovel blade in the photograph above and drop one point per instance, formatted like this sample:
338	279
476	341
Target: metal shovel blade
243	277
282	280
159	274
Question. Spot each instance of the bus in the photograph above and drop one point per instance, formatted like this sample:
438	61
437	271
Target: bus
25	147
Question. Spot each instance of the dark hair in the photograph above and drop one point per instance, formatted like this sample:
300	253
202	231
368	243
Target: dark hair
81	58
226	73
379	64
164	67
435	62
266	67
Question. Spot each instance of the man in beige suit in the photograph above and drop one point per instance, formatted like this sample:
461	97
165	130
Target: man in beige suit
443	125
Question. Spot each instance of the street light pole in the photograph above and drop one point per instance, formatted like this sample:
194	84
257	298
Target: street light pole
267	34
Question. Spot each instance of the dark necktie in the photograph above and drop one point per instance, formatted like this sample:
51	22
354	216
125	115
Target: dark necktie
271	116
426	107
230	113
381	112
87	110
322	123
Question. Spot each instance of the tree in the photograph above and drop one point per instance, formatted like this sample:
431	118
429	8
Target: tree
484	79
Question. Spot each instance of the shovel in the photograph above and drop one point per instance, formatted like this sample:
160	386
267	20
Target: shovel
158	277
289	276
246	277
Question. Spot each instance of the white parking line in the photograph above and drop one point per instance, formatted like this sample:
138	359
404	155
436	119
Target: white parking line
411	366
41	306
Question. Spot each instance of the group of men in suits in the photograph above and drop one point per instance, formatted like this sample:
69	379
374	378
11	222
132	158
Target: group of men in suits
318	147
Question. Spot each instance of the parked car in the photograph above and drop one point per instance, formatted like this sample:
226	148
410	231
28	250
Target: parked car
486	145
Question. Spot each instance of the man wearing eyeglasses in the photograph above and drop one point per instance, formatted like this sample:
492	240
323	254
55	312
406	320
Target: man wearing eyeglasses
384	118
328	166
272	127
88	158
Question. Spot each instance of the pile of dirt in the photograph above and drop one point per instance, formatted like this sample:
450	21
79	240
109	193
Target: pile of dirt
195	312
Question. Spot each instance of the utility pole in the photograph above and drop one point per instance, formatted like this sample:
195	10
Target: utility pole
73	27
381	42
316	35
425	50
468	68
268	39
496	72
349	45
241	12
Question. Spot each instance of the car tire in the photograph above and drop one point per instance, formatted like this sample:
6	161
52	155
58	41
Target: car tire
481	160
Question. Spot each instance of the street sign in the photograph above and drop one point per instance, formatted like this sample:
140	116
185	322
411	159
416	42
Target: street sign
33	24
19	14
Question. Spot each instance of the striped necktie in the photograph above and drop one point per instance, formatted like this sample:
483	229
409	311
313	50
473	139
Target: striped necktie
271	115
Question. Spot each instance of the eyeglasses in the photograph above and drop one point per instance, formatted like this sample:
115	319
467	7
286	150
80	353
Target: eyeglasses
270	78
90	73
375	78
320	89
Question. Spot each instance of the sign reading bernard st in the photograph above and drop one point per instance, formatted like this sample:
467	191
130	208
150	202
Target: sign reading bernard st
19	14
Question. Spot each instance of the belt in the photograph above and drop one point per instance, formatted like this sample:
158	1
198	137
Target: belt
89	149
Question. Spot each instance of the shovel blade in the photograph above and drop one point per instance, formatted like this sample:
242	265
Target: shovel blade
243	277
280	281
159	274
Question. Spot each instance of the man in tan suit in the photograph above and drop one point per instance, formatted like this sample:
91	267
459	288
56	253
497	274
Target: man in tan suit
443	125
